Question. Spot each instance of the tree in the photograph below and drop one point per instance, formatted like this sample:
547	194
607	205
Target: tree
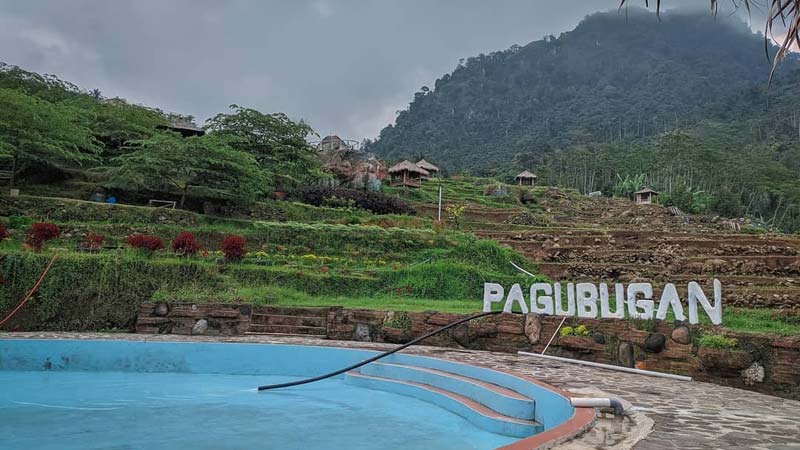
278	144
35	131
167	162
113	122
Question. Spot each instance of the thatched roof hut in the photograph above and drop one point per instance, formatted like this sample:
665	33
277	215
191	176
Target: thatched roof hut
427	166
526	178
407	173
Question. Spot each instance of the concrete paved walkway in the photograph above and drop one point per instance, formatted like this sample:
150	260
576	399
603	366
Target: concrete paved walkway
686	415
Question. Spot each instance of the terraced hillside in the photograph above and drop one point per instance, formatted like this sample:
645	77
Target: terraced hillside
574	237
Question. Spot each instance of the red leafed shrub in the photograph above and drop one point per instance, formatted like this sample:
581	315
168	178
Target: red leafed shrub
3	231
40	233
185	243
233	247
93	242
145	242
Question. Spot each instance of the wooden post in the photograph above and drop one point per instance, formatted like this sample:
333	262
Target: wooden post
440	203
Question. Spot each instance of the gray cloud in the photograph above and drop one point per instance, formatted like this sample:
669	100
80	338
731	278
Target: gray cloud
344	66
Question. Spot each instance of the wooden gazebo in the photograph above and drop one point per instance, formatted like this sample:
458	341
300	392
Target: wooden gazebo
408	174
526	178
645	196
425	165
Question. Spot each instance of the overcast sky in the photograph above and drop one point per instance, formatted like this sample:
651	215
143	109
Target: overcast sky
344	66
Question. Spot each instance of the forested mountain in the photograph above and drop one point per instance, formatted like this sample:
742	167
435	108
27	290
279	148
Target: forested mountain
616	77
680	105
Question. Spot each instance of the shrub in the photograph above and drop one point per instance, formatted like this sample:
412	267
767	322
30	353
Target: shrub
454	213
233	247
93	242
185	243
19	222
145	242
375	202
3	231
40	233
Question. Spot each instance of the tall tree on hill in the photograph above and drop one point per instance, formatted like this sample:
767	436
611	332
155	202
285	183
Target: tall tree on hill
278	143
207	164
35	131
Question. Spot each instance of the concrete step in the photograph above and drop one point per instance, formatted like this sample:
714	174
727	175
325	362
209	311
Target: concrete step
501	399
476	413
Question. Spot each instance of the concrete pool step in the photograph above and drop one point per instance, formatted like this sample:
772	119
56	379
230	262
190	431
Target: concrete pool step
471	410
499	398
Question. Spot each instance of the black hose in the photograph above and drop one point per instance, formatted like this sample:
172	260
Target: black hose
377	357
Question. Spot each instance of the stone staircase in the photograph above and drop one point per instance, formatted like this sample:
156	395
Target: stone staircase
289	321
494	401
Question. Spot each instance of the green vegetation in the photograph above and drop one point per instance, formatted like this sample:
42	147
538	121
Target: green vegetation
286	263
34	131
168	161
278	144
52	130
717	341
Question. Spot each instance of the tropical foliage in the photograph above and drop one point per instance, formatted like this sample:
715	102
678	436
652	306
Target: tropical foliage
168	162
278	144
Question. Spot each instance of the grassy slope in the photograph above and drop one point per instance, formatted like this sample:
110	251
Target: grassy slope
318	257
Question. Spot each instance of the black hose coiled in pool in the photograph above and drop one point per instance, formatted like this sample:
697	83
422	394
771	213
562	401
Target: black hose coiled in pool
377	357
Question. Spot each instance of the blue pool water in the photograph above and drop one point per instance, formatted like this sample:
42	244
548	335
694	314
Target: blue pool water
124	395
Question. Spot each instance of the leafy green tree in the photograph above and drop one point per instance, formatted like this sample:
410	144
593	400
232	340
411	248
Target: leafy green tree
207	164
278	144
35	131
114	122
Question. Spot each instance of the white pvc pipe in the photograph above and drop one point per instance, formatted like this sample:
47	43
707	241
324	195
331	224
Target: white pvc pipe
590	402
598	402
649	373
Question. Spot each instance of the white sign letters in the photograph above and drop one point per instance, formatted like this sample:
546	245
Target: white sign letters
634	302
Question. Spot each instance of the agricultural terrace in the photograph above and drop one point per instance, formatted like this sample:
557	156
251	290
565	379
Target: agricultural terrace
296	254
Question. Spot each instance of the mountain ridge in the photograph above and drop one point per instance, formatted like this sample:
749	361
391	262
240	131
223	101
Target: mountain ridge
615	77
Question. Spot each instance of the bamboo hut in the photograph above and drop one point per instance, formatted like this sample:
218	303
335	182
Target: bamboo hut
408	174
526	178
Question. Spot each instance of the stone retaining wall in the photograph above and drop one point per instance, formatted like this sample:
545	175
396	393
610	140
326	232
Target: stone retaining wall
761	362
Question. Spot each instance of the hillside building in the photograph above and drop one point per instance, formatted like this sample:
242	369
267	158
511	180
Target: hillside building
645	196
526	178
407	174
425	165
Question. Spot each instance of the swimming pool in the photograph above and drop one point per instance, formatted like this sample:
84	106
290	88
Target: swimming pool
78	394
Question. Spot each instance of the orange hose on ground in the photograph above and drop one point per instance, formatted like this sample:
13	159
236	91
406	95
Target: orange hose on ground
30	294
